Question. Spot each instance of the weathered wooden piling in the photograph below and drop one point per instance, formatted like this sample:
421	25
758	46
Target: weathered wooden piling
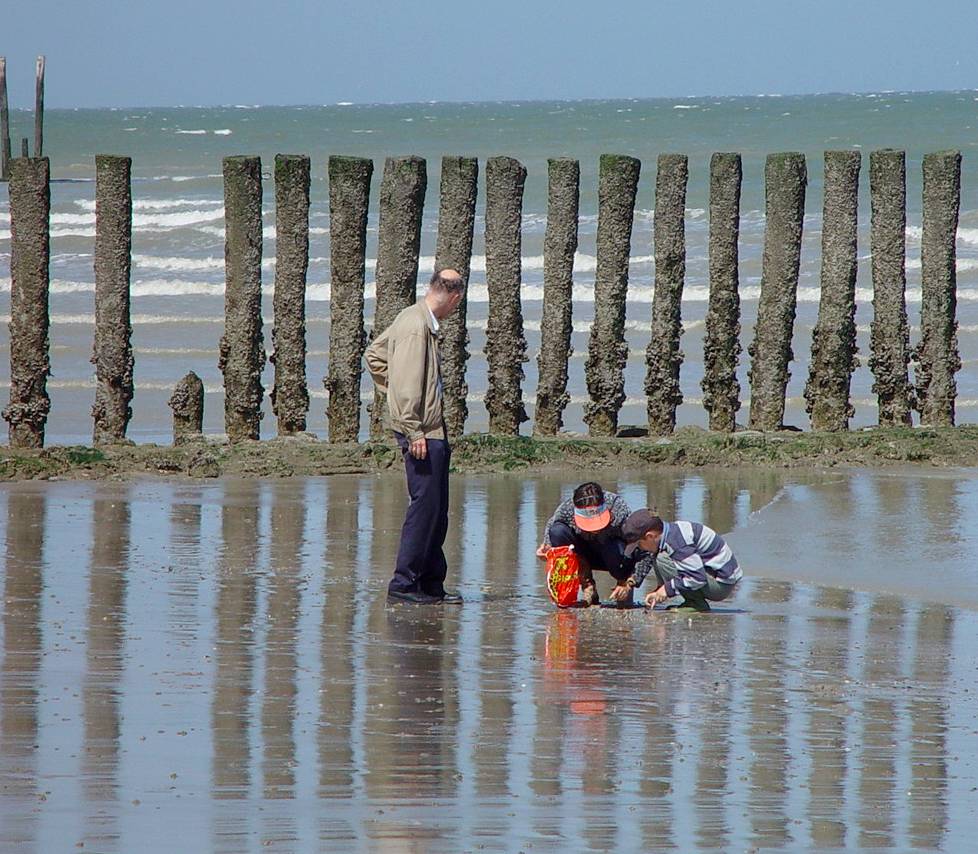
39	108
402	193
456	222
559	246
834	337
663	356
721	348
290	395
936	356
785	177
889	332
112	354
349	197
4	123
607	349
242	354
30	252
187	403
505	342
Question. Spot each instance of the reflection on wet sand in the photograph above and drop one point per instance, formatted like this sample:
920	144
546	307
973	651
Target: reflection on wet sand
22	645
231	703
794	716
107	576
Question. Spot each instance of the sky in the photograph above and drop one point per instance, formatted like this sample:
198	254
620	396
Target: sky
104	53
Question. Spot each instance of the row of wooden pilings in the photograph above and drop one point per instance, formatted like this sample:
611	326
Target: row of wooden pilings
402	193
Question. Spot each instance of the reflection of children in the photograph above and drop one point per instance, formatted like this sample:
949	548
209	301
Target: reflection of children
689	560
591	522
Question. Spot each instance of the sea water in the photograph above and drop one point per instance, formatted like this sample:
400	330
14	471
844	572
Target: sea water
178	230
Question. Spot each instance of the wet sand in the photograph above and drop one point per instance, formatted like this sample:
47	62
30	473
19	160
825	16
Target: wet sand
216	660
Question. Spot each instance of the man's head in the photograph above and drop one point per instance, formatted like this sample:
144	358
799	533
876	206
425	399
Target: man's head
642	530
590	512
445	290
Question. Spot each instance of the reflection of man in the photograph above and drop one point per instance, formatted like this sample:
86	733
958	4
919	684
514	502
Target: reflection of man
591	522
689	560
403	361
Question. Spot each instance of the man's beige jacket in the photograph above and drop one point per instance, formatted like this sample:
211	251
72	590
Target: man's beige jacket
403	361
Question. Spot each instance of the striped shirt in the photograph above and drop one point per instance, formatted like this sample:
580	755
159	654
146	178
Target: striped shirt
697	551
565	513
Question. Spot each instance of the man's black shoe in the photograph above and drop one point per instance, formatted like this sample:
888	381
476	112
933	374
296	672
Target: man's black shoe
414	596
451	599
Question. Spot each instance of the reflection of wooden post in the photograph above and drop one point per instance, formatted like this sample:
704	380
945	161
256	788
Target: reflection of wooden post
402	193
607	349
30	207
663	356
559	247
505	343
721	350
785	178
456	221
834	339
112	357
937	354
4	123
889	332
39	109
349	194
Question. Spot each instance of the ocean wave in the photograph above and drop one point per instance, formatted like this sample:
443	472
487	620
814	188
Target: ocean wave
195	132
157	204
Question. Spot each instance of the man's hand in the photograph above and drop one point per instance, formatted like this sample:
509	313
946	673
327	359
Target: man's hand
418	448
542	551
656	597
621	592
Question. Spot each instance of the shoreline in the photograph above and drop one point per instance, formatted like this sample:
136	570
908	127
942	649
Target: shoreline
688	447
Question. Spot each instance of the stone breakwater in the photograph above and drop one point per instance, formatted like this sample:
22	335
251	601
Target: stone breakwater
402	196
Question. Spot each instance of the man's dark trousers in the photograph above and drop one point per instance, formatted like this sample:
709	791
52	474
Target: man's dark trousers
421	565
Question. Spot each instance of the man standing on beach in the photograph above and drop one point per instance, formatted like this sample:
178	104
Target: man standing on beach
403	361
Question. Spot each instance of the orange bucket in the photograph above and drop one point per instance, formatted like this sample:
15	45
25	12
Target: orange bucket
563	580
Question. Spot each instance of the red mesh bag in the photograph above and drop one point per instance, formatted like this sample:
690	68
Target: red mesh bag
563	581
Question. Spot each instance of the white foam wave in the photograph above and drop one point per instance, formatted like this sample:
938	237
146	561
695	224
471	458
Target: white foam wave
195	132
176	220
157	204
223	132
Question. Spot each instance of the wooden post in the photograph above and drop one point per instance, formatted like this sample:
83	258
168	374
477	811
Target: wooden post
834	338
721	349
663	356
456	223
242	354
349	197
30	253
39	109
187	403
785	178
607	348
290	395
936	356
889	332
25	147
402	192
112	355
4	123
505	342
559	246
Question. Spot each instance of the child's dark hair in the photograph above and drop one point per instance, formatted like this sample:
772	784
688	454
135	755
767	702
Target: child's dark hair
588	494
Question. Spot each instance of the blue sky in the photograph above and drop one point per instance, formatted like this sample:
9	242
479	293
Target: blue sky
144	53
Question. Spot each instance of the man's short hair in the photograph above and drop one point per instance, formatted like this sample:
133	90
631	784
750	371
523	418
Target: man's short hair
451	284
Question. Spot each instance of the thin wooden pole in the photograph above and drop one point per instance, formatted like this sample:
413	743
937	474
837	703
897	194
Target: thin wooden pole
39	109
4	123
